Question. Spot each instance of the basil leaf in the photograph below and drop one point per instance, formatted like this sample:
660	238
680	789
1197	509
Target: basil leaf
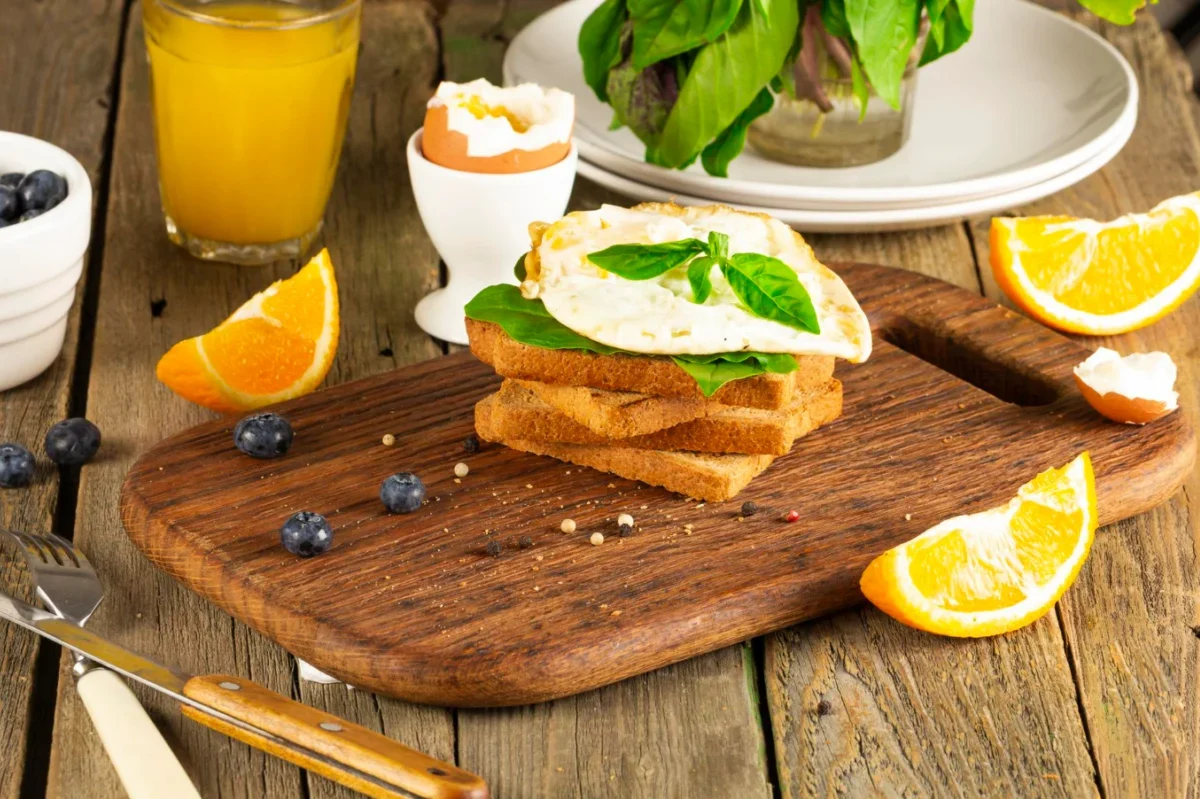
726	76
664	28
833	17
519	269
646	261
713	371
600	44
729	142
950	30
885	33
699	275
718	245
1118	11
528	321
771	290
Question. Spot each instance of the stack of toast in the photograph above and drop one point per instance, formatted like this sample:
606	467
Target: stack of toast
645	418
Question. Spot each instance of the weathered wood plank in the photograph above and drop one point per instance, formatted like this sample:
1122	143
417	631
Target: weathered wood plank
383	267
55	88
1130	621
861	705
687	730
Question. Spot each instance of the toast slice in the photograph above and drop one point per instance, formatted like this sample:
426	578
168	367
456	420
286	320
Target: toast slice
712	478
616	414
659	377
518	412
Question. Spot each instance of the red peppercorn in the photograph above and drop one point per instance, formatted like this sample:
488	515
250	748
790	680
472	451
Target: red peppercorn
793	516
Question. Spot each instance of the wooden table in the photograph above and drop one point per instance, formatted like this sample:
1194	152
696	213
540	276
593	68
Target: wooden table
1098	698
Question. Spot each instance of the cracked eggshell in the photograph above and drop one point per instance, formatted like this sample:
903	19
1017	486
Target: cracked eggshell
1134	389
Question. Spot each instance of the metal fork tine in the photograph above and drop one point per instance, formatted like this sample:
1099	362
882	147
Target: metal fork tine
30	546
68	550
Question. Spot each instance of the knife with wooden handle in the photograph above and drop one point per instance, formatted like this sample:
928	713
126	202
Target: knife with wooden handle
346	753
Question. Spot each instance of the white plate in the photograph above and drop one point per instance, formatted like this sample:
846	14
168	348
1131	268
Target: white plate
1032	95
857	221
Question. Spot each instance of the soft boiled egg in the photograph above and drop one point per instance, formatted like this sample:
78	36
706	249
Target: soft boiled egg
659	316
478	127
1135	389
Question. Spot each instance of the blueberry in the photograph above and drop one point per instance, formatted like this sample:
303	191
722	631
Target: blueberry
306	534
402	493
11	179
16	466
32	213
263	435
42	189
10	204
72	442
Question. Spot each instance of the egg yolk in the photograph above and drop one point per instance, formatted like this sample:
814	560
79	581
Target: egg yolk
479	109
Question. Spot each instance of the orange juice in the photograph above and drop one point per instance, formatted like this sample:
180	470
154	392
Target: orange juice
250	108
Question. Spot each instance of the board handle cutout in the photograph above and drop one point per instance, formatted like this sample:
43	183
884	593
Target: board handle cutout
998	363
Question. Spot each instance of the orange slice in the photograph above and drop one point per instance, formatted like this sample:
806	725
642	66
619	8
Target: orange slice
277	346
994	571
1100	278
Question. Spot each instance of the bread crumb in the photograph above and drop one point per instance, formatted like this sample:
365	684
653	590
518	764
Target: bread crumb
604	606
615	613
597	539
389	440
537	557
529	485
908	517
625	518
461	469
460	482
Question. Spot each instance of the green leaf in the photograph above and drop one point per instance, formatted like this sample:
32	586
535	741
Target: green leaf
718	245
700	276
600	44
950	31
771	290
833	17
646	261
664	28
717	156
528	322
885	33
713	371
1118	11
725	78
519	269
642	99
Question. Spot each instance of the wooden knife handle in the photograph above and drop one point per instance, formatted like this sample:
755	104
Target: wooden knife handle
410	773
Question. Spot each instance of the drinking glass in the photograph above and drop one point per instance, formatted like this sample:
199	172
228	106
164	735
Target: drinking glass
250	101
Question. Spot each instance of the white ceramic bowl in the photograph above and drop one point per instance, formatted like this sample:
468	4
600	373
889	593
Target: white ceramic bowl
41	262
480	226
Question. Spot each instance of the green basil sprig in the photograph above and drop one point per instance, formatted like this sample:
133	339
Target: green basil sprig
528	322
767	286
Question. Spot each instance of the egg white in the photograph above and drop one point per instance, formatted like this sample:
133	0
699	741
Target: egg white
549	114
658	316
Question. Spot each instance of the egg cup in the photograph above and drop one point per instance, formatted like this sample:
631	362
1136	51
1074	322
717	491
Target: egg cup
479	224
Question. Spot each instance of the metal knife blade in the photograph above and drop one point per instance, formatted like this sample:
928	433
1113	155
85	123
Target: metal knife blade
148	672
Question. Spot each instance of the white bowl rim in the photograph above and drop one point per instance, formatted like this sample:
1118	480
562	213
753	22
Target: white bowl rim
79	188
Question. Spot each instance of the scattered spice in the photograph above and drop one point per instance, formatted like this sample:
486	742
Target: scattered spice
525	542
461	469
567	526
597	539
792	517
389	440
471	443
625	530
494	549
625	518
749	508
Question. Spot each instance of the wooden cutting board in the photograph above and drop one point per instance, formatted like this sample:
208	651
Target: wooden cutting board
960	404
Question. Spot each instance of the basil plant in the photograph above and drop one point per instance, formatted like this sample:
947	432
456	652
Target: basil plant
689	76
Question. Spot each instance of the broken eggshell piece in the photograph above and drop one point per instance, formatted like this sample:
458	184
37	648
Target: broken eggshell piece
1132	389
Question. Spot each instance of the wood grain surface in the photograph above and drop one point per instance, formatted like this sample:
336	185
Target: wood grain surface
412	606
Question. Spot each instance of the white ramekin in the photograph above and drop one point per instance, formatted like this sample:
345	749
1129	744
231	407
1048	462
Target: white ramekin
41	262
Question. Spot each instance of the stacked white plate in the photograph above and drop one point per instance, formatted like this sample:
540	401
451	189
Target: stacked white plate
1032	104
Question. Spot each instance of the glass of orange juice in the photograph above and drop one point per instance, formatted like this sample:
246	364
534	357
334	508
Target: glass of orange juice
250	105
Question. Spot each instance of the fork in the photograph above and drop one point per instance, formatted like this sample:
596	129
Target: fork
69	587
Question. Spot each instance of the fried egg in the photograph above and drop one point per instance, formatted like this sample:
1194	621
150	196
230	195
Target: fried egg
478	127
659	316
